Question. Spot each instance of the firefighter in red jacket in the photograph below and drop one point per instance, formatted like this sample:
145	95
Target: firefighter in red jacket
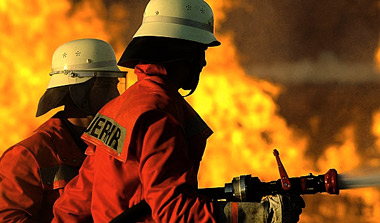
147	144
34	172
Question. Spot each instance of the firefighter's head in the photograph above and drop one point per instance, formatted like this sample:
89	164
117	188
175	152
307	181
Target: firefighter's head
84	75
173	31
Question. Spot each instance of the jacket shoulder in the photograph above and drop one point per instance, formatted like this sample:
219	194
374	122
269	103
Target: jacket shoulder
41	146
41	155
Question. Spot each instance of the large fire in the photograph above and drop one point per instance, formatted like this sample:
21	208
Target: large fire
245	110
377	56
240	109
30	32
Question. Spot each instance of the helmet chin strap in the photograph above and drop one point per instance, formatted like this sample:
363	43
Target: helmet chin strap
195	71
193	82
190	93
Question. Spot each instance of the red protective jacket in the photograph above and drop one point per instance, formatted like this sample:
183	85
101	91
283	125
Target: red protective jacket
34	172
144	145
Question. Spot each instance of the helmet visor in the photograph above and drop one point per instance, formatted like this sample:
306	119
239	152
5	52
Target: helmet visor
71	77
86	73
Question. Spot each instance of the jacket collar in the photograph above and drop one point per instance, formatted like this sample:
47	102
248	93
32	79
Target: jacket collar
144	70
158	74
68	150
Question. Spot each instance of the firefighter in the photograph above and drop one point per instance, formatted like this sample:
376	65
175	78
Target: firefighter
148	143
34	172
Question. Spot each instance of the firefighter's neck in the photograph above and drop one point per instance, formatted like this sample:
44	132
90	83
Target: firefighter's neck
80	122
177	72
77	117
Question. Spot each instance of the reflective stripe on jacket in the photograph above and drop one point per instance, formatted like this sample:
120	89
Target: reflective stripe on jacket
34	172
144	145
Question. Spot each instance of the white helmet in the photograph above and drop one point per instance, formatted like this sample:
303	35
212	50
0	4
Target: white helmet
79	60
182	19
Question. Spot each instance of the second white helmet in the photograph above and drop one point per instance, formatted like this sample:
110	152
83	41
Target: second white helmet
79	60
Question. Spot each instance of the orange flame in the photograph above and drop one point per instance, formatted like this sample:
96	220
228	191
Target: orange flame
243	114
30	32
337	156
240	109
377	56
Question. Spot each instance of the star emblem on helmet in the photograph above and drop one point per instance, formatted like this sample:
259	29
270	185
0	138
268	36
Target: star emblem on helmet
64	55
203	10
78	53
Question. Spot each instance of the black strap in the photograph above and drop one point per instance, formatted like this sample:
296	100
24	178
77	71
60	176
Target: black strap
133	214
74	132
142	209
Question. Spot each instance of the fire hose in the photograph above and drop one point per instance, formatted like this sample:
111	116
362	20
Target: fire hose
250	189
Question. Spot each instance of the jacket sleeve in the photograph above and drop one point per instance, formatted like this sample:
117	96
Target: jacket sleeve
166	172
21	189
74	205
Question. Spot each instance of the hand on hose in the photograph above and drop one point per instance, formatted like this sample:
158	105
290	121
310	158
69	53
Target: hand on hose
284	208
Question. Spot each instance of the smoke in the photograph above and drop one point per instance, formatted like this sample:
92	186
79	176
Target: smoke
298	41
290	41
326	68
